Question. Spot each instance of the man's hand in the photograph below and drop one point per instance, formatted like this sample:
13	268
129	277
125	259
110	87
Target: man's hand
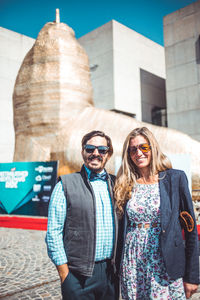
190	289
63	271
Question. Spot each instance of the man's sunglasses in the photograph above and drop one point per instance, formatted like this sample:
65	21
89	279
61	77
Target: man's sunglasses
143	147
101	149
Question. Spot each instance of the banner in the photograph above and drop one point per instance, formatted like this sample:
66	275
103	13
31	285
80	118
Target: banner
26	187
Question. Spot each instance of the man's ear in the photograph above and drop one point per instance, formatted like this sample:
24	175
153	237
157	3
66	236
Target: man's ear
108	157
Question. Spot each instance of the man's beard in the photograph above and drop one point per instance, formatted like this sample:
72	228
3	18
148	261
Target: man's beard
99	158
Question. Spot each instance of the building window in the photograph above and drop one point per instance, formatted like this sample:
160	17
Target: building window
159	116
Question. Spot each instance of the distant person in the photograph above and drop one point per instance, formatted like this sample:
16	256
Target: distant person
150	196
82	226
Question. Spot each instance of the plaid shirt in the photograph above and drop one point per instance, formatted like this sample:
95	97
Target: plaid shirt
104	222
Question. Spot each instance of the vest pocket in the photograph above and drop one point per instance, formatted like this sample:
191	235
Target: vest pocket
72	235
79	246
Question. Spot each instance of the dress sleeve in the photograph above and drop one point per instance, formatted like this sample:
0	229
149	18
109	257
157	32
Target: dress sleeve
56	220
191	244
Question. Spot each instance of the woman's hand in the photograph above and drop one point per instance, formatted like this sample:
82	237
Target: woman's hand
190	289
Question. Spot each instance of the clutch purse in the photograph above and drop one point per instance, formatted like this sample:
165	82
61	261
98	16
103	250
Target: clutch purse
186	221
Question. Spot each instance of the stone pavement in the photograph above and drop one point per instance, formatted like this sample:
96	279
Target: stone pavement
26	272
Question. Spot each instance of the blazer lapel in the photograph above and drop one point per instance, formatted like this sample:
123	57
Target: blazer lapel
165	203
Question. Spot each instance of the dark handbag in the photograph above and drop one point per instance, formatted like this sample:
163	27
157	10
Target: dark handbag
186	221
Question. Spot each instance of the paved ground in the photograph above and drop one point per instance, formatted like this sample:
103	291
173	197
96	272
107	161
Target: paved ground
26	272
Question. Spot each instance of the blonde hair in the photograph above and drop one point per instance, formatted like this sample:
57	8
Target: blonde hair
128	172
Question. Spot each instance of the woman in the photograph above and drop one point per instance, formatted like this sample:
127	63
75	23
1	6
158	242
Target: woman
150	195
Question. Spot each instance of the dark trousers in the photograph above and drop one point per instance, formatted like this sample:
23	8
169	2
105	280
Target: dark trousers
103	285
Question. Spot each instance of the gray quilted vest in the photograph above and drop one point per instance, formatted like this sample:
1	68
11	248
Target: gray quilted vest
80	227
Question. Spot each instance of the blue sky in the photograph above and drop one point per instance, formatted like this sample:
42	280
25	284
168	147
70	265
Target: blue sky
144	16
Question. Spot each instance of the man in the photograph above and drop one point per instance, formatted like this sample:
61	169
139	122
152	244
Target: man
82	226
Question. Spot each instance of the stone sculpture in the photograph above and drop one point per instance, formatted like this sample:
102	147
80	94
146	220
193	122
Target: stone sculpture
53	107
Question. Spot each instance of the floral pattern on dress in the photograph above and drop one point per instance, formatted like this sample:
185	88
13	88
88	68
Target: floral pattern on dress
143	273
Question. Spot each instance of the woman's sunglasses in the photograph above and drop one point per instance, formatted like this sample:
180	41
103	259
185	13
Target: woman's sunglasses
101	149
143	147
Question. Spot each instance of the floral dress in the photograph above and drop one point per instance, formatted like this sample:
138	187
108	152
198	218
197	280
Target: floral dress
143	274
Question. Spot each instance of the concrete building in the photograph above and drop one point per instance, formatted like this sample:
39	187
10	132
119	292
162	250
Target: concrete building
182	49
13	48
127	71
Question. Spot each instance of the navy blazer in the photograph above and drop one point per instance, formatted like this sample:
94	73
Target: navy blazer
181	260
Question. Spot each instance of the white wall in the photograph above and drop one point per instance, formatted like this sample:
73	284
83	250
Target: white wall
13	48
133	52
99	48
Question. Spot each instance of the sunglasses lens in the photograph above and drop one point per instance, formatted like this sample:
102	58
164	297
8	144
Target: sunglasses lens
103	149
133	150
144	147
89	148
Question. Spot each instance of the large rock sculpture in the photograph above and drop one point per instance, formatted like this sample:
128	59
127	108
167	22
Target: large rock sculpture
53	107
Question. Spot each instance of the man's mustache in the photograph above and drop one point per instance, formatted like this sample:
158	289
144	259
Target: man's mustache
95	157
